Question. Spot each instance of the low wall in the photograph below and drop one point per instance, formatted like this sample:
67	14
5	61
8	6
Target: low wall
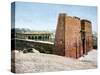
42	46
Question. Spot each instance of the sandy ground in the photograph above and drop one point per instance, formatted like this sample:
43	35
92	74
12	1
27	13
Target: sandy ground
38	62
90	57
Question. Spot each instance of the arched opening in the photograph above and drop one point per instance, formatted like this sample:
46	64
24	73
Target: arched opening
39	38
47	37
35	38
32	37
29	37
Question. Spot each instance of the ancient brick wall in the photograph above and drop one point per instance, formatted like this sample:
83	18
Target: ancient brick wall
60	36
73	36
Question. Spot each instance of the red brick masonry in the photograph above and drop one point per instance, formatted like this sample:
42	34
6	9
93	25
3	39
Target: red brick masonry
73	36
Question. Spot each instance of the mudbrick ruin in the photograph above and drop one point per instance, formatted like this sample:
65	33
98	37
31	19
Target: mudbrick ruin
73	36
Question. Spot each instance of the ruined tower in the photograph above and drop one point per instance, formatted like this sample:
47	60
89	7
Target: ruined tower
73	36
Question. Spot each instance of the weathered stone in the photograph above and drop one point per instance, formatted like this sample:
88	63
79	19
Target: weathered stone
73	36
35	51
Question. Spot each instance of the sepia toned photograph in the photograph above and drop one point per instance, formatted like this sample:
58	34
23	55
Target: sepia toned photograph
53	37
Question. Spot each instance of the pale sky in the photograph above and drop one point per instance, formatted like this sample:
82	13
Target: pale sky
41	16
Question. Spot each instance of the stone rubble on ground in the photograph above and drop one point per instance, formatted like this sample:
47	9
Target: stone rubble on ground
35	51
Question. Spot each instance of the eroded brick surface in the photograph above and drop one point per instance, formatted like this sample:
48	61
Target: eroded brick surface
73	36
